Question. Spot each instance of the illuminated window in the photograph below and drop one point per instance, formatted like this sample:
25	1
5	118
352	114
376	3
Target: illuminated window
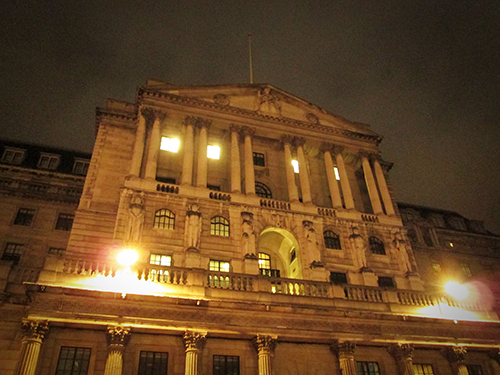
332	240
338	278
48	161
164	219
13	156
24	217
295	164
368	368
13	251
386	282
474	369
264	261
219	265
377	246
337	175
73	361
262	190
226	365
219	226
213	152
81	167
259	159
153	363
160	260
64	222
419	369
169	144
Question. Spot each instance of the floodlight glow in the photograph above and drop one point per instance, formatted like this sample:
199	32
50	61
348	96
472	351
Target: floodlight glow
295	164
224	266
337	175
456	290
127	257
169	144
213	152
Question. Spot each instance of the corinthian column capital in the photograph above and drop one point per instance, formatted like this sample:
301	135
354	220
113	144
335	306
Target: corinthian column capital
265	344
197	121
365	154
287	139
454	354
233	128
194	340
117	336
401	351
326	147
34	329
337	149
146	112
299	141
159	115
343	348
247	131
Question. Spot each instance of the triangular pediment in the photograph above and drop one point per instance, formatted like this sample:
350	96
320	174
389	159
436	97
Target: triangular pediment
263	99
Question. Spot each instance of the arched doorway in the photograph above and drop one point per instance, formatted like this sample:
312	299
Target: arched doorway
284	251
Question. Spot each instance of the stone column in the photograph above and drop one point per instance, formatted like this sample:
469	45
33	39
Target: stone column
345	354
201	173
194	342
235	160
136	163
344	179
293	194
303	173
249	169
117	337
187	163
456	357
265	346
330	175
33	333
384	190
403	353
370	183
154	146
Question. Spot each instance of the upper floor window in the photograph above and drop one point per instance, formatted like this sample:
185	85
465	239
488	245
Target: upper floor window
213	187
81	166
219	226
438	221
24	217
164	219
295	164
457	223
262	190
377	246
226	365
332	240
153	363
213	152
13	251
409	215
169	144
338	278
73	361
219	265
465	269
160	260
48	161
64	222
386	282
259	159
13	156
368	368
419	369
264	261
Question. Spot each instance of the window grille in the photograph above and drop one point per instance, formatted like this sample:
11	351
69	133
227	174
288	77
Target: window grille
226	365
13	251
219	226
164	219
153	363
24	217
368	368
332	240
64	222
259	159
262	190
73	361
377	246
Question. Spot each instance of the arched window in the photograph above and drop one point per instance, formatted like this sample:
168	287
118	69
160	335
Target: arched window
377	246
262	190
219	226
332	240
164	219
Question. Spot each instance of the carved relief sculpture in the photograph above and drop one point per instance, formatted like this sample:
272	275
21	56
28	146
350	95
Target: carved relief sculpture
193	227
248	236
268	102
401	252
358	246
135	218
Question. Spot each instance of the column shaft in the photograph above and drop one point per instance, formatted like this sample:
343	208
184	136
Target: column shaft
28	360
154	149
384	191
192	358
201	173
293	194
264	363
332	181
235	163
114	362
344	182
372	187
187	164
136	162
249	169
347	365
304	176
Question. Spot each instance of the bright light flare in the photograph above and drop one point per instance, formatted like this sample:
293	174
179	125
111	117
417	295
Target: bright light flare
169	144
456	290
127	257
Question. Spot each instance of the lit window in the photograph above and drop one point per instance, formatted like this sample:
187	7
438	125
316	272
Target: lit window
164	219
474	369
219	226
24	217
81	167
338	278
13	251
213	152
262	190
226	365
13	156
64	222
332	240
295	164
259	159
73	361
419	369
264	261
219	265
386	282
368	368
337	175
169	144
160	260
377	246
153	363
48	161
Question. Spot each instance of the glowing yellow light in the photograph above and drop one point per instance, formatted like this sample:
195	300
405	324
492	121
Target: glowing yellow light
127	257
213	152
295	164
169	144
224	266
456	290
337	175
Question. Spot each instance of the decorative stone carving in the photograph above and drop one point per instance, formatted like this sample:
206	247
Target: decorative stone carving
33	333
135	218
358	246
403	353
326	147
338	149
248	236
246	131
268	101
34	329
310	235
197	121
234	128
159	115
312	118
194	340
287	139
343	348
265	344
193	228
118	336
299	141
221	99
401	252
454	354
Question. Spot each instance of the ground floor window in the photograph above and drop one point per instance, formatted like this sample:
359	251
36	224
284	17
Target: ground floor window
474	370
368	368
73	361
419	369
226	365
153	363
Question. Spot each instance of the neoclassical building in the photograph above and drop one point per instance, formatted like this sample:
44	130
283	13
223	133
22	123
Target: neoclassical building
237	229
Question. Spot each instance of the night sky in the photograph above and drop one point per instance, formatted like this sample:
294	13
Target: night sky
424	74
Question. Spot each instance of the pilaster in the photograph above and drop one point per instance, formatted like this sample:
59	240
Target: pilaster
34	332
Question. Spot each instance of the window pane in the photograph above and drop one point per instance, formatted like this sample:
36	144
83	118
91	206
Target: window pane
164	219
64	222
219	226
73	361
153	363
24	217
226	365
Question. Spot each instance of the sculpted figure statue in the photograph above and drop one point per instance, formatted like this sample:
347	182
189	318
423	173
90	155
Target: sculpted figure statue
310	235
193	227
135	218
268	102
401	252
248	236
358	246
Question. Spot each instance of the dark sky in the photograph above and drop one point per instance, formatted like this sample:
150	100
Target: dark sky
425	74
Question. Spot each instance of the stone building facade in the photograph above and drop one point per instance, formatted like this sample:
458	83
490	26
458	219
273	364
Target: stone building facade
234	230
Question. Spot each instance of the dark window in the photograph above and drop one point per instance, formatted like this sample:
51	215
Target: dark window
377	246
166	180
386	282
419	369
259	159
164	219
73	361
64	222
13	251
24	217
226	365
13	156
81	167
213	187
427	236
474	369
338	278
153	363
57	251
48	161
368	368
262	190
219	226
332	240
293	255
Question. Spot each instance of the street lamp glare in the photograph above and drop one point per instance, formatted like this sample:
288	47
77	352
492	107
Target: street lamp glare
456	290
127	257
